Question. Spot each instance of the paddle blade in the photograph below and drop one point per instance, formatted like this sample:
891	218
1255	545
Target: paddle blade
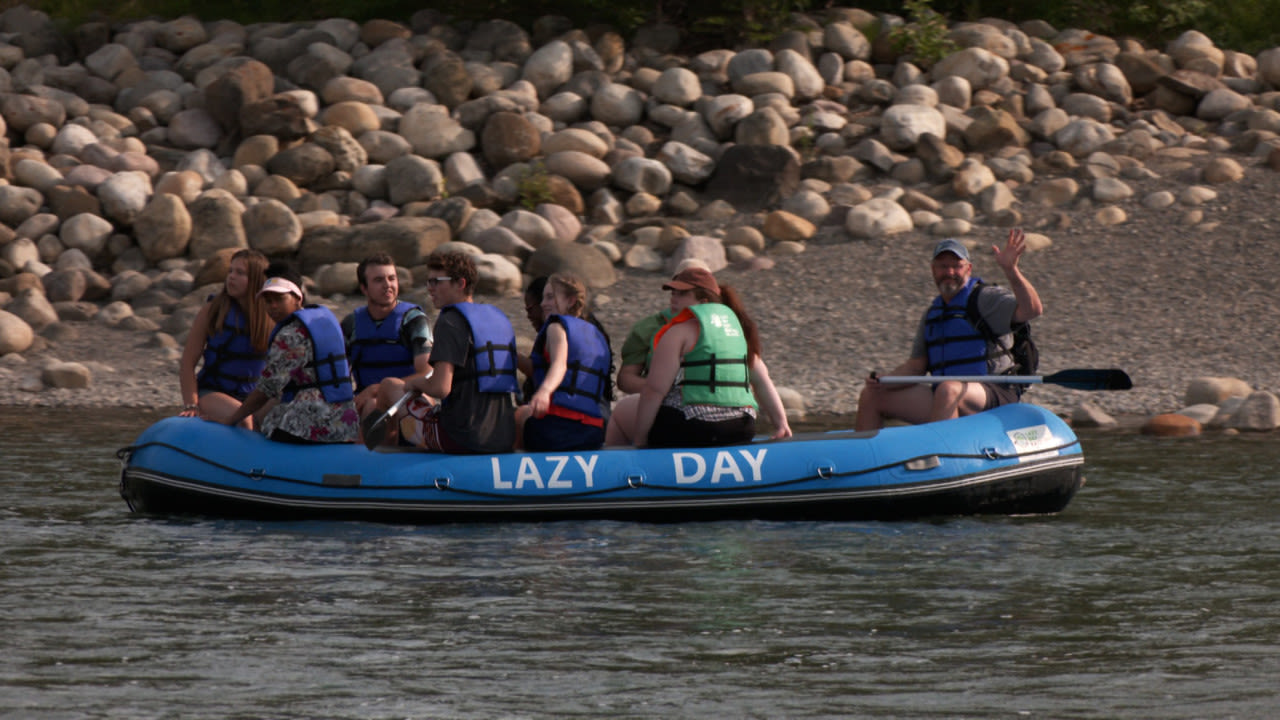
1091	379
374	427
376	430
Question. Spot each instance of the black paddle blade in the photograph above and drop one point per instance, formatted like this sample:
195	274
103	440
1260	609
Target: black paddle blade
1091	379
373	428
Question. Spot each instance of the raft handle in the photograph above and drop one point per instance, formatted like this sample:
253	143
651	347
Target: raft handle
928	462
442	483
635	481
826	472
991	453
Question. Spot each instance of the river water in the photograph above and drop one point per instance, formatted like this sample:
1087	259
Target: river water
1156	594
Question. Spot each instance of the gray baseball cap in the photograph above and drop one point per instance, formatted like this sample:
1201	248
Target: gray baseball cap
952	246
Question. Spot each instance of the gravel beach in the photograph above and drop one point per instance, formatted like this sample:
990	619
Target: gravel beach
1164	300
1146	180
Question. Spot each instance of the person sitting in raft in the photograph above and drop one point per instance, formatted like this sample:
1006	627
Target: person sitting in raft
473	365
947	343
572	368
706	365
534	313
637	351
388	340
306	370
229	337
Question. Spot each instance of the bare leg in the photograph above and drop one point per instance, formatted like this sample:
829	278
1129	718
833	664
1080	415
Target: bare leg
219	407
389	391
911	403
954	399
622	423
523	413
367	400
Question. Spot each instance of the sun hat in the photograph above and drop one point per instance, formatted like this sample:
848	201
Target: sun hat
694	277
952	246
280	285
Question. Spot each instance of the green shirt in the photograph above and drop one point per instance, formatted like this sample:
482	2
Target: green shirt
638	348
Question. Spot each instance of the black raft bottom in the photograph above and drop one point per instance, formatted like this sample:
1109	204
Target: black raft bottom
1048	490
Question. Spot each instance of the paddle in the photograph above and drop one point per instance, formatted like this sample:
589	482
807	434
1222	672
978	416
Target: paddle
1077	379
374	427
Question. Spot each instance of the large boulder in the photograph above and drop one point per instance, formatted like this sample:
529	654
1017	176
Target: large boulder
509	137
585	261
754	176
243	81
408	240
15	334
163	228
216	224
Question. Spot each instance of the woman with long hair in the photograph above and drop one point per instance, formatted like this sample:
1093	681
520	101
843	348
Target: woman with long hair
229	337
572	370
707	377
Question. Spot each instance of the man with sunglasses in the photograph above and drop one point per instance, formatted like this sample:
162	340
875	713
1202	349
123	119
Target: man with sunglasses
473	365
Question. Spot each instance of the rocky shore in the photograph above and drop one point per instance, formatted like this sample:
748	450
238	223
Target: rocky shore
814	175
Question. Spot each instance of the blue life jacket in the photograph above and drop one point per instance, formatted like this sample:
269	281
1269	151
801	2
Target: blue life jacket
495	348
376	350
329	355
953	345
587	373
231	364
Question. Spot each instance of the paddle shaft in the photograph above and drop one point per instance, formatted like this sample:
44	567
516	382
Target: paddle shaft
376	432
935	379
1078	378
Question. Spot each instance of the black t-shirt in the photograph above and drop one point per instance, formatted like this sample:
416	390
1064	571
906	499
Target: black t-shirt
479	421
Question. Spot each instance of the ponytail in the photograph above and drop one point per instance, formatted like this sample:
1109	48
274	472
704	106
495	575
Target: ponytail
730	297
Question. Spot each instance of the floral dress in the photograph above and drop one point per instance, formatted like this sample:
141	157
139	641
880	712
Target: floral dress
308	415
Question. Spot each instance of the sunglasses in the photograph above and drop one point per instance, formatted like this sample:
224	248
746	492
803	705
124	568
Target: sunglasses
432	282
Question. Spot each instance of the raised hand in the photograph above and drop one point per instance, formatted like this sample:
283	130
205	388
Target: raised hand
1007	257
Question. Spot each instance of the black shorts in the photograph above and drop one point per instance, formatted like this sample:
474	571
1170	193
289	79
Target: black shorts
672	429
1001	394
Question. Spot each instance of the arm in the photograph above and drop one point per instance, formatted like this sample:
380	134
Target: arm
1029	306
415	334
558	349
662	375
767	396
630	379
191	353
437	384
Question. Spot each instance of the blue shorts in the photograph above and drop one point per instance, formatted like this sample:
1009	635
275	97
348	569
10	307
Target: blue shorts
551	432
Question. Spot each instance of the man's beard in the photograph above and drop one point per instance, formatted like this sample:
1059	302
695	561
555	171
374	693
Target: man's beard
949	287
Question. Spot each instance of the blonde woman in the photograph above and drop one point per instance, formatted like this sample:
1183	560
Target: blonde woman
571	367
229	337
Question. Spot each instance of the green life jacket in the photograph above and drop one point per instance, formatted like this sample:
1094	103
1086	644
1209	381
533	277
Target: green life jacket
715	370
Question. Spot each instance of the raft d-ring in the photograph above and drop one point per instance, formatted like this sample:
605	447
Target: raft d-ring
257	473
442	483
991	453
826	472
635	481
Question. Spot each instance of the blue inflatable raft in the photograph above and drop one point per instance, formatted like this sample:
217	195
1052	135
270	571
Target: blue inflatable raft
1013	460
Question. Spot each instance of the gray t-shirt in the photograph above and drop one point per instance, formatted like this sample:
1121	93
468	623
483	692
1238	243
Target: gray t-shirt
996	305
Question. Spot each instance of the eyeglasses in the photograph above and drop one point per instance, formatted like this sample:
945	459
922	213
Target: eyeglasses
432	282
